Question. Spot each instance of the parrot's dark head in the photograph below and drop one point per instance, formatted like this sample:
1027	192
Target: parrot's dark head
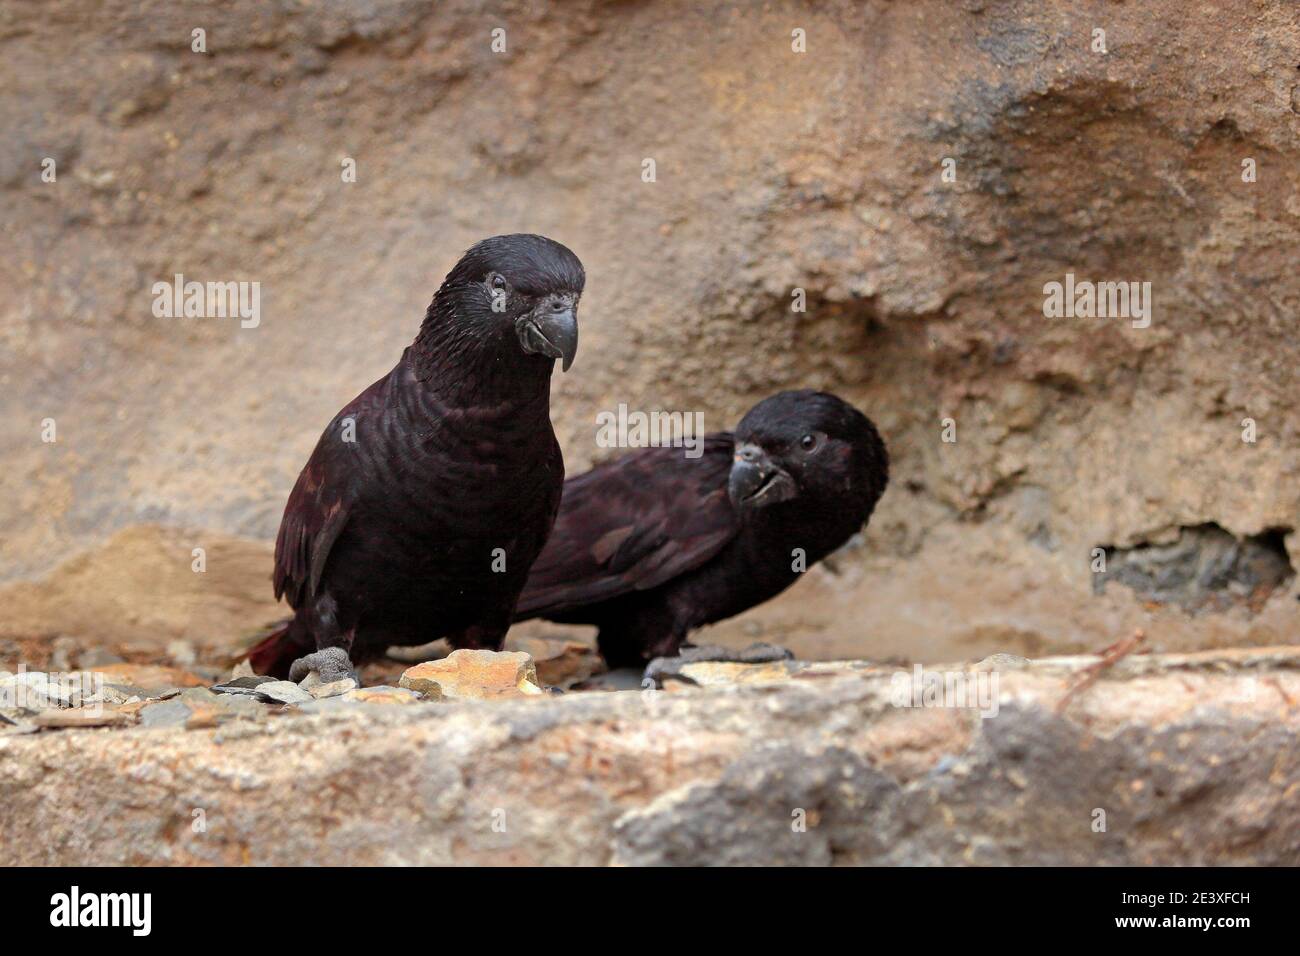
810	452
519	288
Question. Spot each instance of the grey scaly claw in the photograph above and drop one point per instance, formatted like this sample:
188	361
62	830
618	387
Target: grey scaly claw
665	668
331	663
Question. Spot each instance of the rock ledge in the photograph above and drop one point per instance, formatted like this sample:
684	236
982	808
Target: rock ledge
1182	759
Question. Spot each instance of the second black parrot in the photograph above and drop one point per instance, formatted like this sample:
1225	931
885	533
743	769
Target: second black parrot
654	544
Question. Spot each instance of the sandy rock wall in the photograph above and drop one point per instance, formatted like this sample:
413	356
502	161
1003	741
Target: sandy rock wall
775	170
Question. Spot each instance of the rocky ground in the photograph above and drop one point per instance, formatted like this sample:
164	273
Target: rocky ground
1119	759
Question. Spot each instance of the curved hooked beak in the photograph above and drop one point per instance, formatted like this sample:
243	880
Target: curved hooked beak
551	329
757	481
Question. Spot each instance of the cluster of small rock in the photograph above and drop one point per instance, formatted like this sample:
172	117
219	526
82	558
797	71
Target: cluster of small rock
123	694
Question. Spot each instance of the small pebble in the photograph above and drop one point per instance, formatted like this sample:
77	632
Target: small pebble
333	689
169	713
242	685
182	653
283	691
97	657
471	674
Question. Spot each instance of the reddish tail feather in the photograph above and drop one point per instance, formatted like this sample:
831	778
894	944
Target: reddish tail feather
274	653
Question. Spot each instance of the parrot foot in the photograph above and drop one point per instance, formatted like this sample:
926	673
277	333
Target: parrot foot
670	668
331	663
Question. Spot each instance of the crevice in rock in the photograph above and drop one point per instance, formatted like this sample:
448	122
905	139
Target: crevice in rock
1206	569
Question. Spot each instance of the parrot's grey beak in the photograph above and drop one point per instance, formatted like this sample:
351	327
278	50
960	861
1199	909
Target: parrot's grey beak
756	481
551	329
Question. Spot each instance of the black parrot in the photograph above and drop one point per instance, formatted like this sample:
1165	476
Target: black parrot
430	494
654	544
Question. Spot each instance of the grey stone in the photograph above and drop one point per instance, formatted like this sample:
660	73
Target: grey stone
244	708
232	705
168	713
242	685
237	691
98	657
283	692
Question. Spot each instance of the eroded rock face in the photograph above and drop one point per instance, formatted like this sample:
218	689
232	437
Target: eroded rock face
1163	760
775	171
1205	569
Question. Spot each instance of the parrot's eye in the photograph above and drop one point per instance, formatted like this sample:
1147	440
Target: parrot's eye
811	442
498	281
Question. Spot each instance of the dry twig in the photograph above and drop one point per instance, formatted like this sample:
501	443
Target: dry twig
1110	656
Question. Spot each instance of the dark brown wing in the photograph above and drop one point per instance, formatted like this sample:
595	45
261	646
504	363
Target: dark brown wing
314	516
325	493
632	524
